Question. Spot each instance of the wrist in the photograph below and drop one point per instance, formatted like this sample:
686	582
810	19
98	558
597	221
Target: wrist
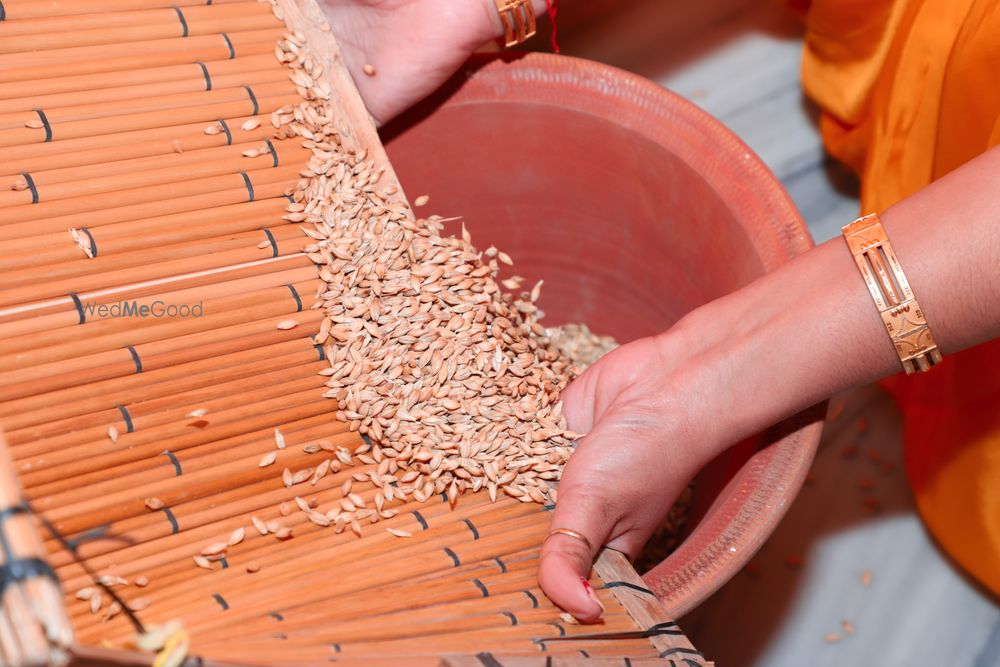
786	341
491	27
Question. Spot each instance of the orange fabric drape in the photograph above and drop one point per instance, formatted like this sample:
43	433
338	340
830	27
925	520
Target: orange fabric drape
910	90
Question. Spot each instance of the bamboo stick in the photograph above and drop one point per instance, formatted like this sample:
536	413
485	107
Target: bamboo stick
85	398
123	19
32	9
85	88
67	315
102	271
143	120
169	25
170	407
121	363
215	186
219	49
86	59
35	629
234	162
61	116
289	153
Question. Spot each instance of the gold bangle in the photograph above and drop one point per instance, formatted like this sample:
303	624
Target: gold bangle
887	283
518	20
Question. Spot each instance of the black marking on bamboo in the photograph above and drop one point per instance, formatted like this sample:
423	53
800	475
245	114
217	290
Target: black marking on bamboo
253	100
86	536
534	600
225	128
453	556
487	659
482	587
290	198
248	184
224	562
472	527
584	653
420	519
627	661
229	45
319	350
221	600
548	508
274	153
336	647
71	547
511	616
204	73
295	295
561	629
692	663
548	661
368	441
503	565
93	243
178	471
184	23
31	186
682	651
45	123
626	584
129	426
3	12
79	307
174	526
270	238
276	616
135	358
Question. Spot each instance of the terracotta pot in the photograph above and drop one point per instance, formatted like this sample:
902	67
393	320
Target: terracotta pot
635	207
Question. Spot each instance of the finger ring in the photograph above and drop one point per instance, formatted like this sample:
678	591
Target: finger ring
518	20
571	533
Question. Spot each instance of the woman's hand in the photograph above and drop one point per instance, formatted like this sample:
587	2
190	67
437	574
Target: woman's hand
414	45
651	418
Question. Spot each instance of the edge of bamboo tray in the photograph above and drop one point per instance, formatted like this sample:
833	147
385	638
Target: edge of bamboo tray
306	17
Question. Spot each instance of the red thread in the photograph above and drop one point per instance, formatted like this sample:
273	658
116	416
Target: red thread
552	20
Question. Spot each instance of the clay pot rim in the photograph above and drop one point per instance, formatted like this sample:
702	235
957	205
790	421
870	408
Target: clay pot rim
749	507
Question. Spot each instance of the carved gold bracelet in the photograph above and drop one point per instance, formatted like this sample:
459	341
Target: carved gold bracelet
887	283
518	19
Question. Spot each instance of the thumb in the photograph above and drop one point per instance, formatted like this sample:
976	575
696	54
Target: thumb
580	527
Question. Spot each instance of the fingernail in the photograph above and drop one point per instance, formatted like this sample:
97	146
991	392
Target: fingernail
592	595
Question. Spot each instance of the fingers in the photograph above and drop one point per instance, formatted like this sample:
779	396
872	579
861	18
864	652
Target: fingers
566	559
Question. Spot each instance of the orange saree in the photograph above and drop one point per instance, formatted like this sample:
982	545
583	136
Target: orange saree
910	90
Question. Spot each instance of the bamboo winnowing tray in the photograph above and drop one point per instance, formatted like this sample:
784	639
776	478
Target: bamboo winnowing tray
105	107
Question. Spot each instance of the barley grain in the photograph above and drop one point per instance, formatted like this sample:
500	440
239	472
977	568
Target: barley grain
154	504
399	532
251	124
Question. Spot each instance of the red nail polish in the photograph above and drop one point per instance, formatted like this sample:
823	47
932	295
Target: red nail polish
592	595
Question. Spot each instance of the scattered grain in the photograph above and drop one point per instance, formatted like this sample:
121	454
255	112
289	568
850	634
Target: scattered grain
154	504
251	124
113	433
34	124
399	532
287	324
237	536
141	581
253	566
268	459
421	200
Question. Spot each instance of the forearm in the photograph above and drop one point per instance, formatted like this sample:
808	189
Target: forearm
811	329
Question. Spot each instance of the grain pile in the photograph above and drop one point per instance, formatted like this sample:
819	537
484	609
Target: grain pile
452	380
